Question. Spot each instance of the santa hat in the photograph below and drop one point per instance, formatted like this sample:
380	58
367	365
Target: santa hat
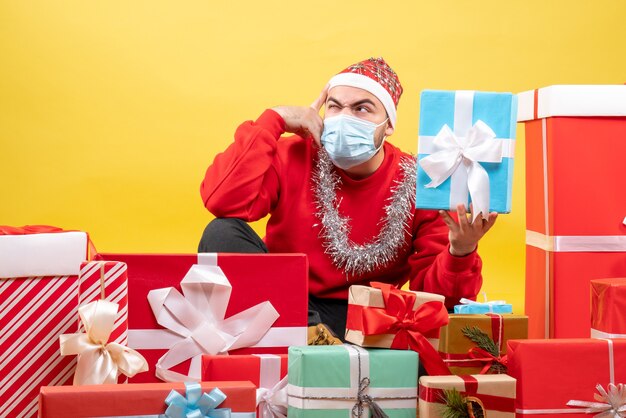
375	76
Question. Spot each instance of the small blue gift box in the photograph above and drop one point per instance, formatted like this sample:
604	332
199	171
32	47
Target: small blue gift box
466	147
470	307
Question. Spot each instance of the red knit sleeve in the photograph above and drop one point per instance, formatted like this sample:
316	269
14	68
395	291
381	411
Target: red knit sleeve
243	181
434	269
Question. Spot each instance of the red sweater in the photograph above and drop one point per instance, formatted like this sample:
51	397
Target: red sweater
263	173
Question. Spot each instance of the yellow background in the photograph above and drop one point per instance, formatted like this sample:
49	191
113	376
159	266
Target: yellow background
110	111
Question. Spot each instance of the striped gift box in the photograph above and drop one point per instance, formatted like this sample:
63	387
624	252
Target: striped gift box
34	311
39	267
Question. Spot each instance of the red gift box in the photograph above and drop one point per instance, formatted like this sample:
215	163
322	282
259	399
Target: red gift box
574	367
34	311
146	399
281	279
608	308
264	370
573	172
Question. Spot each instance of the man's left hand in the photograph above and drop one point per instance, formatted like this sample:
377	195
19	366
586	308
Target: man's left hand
465	234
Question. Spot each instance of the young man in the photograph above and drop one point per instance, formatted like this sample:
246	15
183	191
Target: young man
338	191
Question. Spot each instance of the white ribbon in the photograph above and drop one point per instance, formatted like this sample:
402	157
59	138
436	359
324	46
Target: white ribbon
99	362
465	153
271	396
272	402
596	333
610	404
198	317
486	303
576	243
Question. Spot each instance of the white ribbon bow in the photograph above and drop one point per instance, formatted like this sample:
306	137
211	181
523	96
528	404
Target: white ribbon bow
479	146
272	402
198	317
486	303
611	404
99	362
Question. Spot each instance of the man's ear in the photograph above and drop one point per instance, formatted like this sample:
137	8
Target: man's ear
389	130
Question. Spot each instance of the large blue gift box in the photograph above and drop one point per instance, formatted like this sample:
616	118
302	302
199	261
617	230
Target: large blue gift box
466	147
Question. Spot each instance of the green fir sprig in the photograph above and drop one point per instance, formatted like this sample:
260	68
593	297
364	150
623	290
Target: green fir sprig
458	406
454	404
482	340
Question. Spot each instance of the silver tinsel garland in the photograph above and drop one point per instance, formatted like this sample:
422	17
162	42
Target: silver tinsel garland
358	259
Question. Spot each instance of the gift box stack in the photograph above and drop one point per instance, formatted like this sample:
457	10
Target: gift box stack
39	269
573	142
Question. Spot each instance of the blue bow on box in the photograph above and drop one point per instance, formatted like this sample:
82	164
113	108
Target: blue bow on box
196	404
495	306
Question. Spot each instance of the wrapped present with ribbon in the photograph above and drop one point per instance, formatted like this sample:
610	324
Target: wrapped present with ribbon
230	399
39	268
569	126
468	306
465	151
387	317
589	376
350	381
467	396
608	308
184	306
267	371
476	344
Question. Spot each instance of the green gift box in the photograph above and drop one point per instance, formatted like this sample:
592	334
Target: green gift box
346	381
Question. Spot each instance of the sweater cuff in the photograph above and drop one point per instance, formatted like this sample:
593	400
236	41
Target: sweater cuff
459	264
273	122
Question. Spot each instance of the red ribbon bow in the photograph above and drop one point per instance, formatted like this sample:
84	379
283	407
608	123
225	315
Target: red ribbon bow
408	325
479	354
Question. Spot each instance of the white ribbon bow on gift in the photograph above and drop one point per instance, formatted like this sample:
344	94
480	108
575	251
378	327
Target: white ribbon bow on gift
478	146
464	301
611	404
272	402
198	317
99	362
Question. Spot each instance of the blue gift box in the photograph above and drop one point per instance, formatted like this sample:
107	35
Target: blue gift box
484	308
462	136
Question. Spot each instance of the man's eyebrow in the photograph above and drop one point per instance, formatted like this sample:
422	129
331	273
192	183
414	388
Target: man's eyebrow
357	103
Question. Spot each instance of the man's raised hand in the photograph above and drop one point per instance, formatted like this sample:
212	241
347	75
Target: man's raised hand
305	121
464	235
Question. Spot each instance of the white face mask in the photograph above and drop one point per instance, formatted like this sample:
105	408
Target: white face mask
349	141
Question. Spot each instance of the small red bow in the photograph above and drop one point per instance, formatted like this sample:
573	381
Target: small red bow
479	354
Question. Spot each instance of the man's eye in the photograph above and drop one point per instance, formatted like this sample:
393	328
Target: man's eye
331	106
362	109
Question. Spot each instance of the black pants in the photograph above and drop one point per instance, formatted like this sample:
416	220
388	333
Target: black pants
231	235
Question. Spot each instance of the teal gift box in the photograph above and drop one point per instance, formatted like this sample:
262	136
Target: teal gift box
343	381
466	147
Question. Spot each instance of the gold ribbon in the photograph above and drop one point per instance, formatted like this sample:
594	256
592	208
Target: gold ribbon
99	362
